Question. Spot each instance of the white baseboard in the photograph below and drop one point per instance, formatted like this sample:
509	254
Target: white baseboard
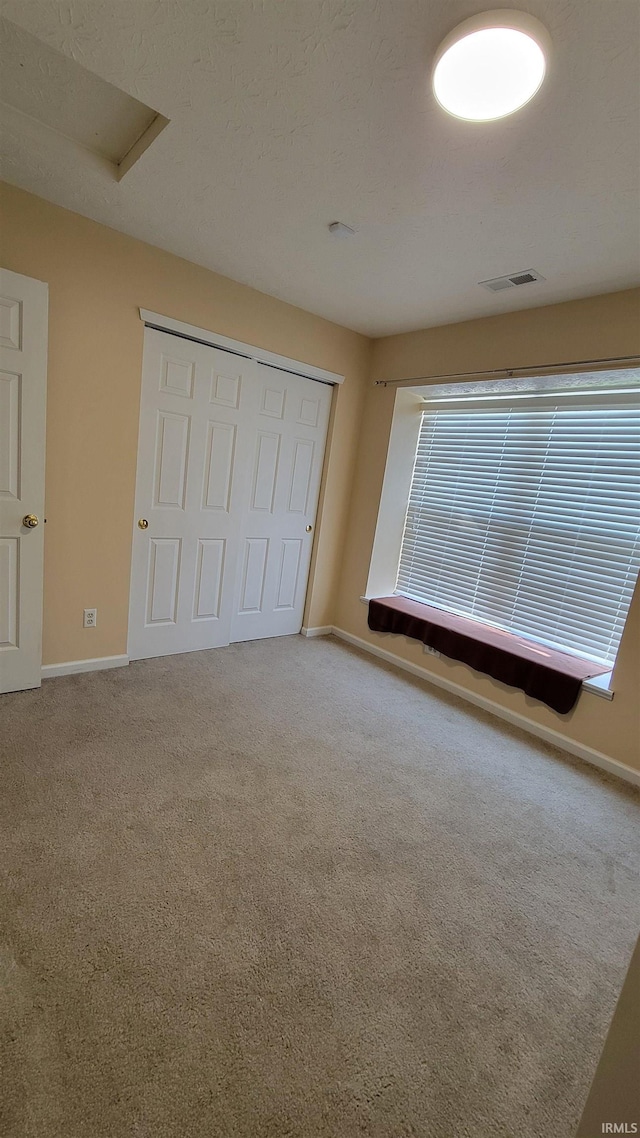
71	667
321	630
596	758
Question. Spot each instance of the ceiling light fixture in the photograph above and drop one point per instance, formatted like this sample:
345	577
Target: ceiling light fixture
491	65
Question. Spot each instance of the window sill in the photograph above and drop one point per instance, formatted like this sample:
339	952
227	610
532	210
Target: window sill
600	685
553	677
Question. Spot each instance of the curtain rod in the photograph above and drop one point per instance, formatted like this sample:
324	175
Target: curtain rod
509	372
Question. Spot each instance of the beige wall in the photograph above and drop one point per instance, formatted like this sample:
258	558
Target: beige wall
600	327
97	280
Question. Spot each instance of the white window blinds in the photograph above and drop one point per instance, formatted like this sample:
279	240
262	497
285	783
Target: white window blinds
528	518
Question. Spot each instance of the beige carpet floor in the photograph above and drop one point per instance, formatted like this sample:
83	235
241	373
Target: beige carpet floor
279	890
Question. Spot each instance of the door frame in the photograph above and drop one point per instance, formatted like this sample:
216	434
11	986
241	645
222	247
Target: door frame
249	351
209	338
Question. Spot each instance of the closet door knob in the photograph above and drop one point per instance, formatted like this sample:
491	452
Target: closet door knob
143	523
30	521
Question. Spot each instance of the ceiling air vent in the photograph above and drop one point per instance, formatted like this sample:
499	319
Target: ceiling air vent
527	276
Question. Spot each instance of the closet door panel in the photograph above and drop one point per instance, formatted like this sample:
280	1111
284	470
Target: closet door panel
287	425
190	494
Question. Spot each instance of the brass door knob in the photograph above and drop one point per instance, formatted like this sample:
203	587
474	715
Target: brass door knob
143	523
309	528
30	521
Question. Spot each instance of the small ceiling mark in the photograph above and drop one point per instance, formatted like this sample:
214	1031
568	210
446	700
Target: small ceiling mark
340	230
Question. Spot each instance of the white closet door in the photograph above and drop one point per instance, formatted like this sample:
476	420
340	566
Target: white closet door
287	424
192	461
23	387
229	463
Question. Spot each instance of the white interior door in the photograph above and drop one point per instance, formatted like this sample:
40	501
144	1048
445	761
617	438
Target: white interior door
192	455
287	420
23	393
229	464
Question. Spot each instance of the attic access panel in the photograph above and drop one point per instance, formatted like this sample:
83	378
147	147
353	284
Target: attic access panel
62	95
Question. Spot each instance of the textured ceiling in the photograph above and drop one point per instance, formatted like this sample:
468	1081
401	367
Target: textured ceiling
288	114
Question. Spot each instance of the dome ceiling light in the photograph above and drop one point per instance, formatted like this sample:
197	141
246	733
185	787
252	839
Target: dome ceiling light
491	65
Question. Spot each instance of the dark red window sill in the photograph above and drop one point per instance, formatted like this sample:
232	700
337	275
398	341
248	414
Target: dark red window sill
553	677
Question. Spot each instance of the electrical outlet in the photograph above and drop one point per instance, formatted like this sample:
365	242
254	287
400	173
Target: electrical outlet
90	618
431	651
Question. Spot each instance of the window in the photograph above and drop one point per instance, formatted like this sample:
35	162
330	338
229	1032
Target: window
524	513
